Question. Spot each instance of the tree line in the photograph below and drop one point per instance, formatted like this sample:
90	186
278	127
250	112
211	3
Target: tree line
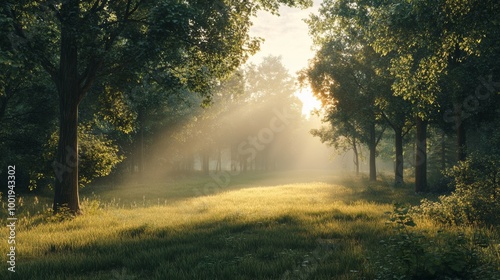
426	70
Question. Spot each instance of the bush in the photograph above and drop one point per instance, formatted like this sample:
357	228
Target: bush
97	155
413	254
475	199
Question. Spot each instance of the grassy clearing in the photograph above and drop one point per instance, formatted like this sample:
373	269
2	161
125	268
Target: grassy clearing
297	226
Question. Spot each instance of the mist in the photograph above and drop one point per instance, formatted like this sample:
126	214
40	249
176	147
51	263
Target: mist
254	123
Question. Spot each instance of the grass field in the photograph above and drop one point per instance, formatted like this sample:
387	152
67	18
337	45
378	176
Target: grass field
303	225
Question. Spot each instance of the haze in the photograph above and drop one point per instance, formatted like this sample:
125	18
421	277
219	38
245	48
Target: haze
165	140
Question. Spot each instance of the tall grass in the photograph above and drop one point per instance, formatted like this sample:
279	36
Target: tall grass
318	228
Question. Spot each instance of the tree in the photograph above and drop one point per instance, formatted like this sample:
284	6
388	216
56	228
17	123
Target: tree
27	100
78	42
343	78
271	88
341	135
396	112
432	43
344	75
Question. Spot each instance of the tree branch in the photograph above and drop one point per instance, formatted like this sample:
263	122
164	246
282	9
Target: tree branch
89	75
388	120
409	129
36	53
380	136
134	9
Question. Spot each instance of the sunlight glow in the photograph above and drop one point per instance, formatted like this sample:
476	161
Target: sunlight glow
309	102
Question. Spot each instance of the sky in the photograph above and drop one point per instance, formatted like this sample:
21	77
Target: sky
287	36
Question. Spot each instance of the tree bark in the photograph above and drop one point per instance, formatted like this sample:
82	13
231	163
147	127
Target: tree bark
356	155
373	146
421	156
66	164
398	172
219	160
70	94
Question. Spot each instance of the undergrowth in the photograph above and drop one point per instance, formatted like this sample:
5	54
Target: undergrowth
446	253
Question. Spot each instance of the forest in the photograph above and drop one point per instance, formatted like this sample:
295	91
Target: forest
139	140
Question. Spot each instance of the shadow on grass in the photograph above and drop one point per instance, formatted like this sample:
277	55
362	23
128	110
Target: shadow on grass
381	191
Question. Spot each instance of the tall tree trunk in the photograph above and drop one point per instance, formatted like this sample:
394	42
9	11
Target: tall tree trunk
421	156
356	155
66	164
373	146
70	93
234	157
398	172
219	160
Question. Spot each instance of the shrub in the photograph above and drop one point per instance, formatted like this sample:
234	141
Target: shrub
475	199
64	214
413	254
97	154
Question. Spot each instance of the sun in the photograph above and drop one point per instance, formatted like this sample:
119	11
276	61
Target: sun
309	101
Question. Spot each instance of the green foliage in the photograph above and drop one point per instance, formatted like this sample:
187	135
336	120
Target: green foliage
115	110
476	183
407	59
63	214
430	40
82	44
97	154
355	83
441	153
27	116
418	254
